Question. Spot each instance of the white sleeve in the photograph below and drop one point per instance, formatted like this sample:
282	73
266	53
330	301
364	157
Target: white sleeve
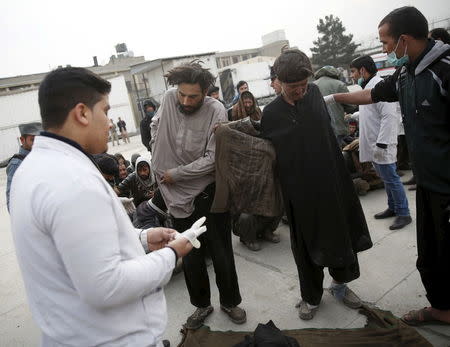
389	123
89	247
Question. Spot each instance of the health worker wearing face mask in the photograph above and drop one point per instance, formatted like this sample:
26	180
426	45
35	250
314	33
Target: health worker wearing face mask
422	86
379	126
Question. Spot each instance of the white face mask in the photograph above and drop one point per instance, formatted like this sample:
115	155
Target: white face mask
392	57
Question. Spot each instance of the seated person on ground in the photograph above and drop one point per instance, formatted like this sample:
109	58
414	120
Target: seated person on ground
140	185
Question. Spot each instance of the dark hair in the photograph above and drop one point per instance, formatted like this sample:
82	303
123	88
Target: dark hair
440	34
107	163
212	89
406	20
247	95
366	62
191	73
62	89
240	84
149	103
292	66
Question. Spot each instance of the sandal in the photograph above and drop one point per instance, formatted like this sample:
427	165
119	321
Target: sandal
421	317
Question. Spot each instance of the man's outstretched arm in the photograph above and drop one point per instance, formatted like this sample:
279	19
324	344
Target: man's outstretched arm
361	97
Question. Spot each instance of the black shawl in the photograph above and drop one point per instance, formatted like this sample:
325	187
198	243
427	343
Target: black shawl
320	200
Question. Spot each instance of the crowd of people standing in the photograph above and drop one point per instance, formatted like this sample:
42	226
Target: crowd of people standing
87	262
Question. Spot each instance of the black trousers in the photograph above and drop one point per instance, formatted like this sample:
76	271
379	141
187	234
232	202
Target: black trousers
433	244
218	241
310	274
402	153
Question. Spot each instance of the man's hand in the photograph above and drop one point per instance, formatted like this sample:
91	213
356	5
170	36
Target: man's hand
167	179
158	238
182	246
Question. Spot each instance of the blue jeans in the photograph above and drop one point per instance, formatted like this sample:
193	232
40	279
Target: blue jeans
397	200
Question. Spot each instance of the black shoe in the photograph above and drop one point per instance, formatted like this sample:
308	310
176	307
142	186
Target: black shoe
196	319
410	182
385	214
400	222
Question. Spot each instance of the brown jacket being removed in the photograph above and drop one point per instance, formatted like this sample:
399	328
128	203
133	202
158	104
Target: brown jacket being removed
245	172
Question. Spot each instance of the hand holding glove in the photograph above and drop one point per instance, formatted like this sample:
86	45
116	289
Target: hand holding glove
194	232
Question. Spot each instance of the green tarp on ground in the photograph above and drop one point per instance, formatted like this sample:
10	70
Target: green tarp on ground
382	330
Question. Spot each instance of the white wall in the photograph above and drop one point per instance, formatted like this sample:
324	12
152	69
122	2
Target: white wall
9	142
120	103
255	75
23	107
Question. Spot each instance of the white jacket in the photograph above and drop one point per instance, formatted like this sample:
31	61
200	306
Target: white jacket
87	277
378	123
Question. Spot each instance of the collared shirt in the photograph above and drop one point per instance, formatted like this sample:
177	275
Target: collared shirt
184	145
13	165
87	277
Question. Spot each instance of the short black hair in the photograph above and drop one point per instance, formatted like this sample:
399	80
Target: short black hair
366	62
292	66
440	34
213	89
64	88
406	20
191	73
240	84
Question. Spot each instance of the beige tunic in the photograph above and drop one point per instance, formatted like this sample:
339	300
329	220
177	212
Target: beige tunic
185	146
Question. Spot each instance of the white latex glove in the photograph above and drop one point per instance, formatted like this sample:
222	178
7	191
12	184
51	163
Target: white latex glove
329	99
379	154
195	231
128	204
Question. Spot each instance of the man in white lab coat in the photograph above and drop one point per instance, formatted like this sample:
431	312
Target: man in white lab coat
379	125
88	279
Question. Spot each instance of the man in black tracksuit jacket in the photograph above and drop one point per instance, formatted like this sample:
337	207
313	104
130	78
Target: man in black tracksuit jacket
422	86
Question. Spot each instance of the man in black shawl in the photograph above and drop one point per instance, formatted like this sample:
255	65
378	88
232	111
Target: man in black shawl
327	223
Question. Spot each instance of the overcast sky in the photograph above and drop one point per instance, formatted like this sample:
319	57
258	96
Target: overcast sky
37	36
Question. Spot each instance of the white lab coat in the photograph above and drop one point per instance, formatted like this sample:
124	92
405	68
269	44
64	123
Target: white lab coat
378	123
87	277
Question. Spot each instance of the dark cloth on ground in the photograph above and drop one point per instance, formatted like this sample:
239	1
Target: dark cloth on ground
218	241
317	188
433	245
268	335
245	172
249	227
382	330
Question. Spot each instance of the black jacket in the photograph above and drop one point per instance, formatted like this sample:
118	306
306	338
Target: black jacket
145	131
320	200
131	185
423	90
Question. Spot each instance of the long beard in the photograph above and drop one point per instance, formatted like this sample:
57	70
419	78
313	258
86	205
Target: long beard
190	110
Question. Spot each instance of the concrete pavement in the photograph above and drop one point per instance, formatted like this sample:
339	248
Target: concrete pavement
268	281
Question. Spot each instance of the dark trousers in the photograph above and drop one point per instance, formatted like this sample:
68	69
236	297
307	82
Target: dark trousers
433	245
311	274
217	239
402	153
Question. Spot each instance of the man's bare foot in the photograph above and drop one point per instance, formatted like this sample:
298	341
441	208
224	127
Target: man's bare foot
427	315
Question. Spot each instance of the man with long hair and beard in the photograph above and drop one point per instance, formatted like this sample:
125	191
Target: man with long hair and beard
183	158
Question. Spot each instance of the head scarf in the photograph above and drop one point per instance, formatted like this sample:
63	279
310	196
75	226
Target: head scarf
148	183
